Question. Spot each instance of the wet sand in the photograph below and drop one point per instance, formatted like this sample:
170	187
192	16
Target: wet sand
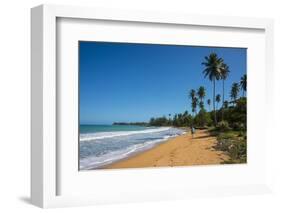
179	151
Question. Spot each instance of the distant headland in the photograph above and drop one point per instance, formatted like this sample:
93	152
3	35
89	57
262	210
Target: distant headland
131	123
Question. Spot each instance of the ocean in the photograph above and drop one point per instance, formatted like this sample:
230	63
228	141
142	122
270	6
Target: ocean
101	145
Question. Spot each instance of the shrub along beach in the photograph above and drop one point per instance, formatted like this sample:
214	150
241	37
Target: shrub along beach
220	125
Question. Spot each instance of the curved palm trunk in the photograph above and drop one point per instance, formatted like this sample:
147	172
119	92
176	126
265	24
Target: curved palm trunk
214	101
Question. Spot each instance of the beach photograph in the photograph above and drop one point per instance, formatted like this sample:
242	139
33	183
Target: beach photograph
161	105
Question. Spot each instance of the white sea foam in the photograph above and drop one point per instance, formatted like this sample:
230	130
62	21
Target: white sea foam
102	135
96	162
103	148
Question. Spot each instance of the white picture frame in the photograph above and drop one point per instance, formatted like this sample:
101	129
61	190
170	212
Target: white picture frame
45	178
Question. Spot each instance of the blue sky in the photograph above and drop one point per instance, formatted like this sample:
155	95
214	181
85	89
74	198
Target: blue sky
122	82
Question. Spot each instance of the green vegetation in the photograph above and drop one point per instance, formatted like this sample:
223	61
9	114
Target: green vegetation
131	123
223	126
179	120
224	74
234	91
218	99
213	66
227	119
232	112
243	84
201	94
234	144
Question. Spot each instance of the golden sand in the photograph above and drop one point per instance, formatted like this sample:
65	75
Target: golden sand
179	151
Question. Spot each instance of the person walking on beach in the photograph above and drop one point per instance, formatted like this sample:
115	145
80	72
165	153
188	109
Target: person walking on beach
192	129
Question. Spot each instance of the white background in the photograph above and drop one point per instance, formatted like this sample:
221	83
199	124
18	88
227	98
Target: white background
15	105
72	182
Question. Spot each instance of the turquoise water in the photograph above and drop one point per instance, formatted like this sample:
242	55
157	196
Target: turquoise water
103	144
110	128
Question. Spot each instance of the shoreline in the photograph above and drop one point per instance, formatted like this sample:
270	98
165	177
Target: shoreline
182	150
138	141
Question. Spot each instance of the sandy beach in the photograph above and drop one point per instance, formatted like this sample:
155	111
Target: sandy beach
179	151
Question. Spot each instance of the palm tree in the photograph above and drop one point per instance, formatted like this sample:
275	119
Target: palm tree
180	118
218	99
225	104
234	91
175	120
201	92
201	104
243	84
194	105
213	65
192	94
209	103
224	74
170	120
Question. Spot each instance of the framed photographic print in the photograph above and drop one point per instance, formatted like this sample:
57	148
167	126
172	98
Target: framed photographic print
125	121
149	106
